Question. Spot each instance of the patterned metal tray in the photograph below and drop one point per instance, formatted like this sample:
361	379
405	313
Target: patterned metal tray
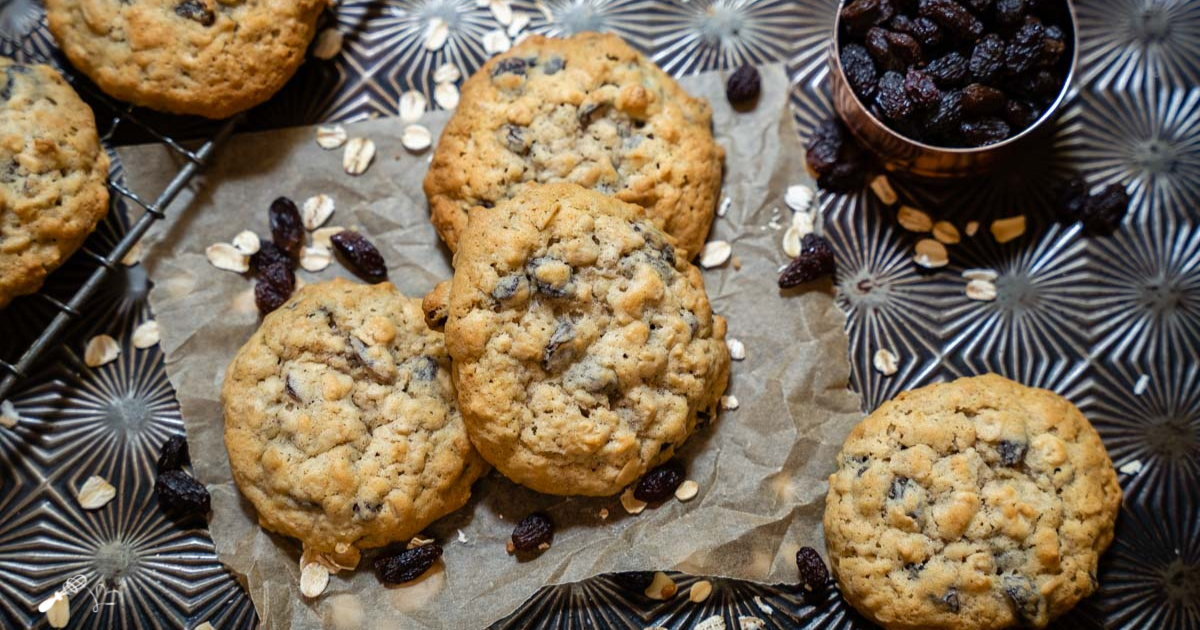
1086	317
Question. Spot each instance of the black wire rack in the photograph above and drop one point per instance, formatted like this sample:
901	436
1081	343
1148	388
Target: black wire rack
118	115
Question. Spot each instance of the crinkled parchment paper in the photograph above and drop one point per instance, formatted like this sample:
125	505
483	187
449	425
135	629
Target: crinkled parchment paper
762	469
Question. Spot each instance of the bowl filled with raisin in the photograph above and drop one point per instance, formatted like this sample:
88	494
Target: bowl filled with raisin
947	88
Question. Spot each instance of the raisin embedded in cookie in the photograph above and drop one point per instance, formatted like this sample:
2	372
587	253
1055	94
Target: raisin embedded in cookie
341	423
211	58
979	503
52	175
589	110
585	350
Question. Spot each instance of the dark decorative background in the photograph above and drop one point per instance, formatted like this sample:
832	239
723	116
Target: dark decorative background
1086	317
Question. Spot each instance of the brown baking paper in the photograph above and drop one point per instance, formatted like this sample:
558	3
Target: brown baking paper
762	468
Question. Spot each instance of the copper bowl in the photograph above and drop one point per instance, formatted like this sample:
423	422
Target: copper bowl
900	153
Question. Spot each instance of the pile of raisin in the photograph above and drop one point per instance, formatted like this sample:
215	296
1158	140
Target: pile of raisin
837	161
955	73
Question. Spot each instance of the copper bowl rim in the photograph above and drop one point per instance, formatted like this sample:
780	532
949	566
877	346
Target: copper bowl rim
1050	113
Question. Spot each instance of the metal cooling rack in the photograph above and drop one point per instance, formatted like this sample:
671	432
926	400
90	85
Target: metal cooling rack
194	161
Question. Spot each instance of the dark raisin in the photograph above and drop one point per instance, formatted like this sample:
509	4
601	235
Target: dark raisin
554	290
814	575
979	7
1072	199
943	122
532	532
1053	47
589	112
287	229
1018	114
921	89
927	32
563	333
508	286
825	145
982	132
514	139
275	285
987	59
1105	210
660	483
637	581
743	85
1028	604
407	565
1009	12
180	493
860	15
891	97
900	486
904	47
174	454
951	70
196	11
814	262
859	69
840	164
1011	453
901	24
507	65
880	50
1024	48
1039	85
424	368
269	254
953	17
981	100
363	258
950	599
553	65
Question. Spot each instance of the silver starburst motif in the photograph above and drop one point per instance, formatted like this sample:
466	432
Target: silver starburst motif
562	18
1139	44
18	18
704	35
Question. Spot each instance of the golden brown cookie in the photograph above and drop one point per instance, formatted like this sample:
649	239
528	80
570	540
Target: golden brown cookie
52	184
585	351
211	58
979	503
341	422
587	109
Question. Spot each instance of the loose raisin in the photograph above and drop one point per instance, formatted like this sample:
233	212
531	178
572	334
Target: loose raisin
360	255
636	581
660	483
985	131
287	229
824	146
860	71
814	575
921	89
196	11
814	262
743	85
987	60
981	100
174	454
891	97
840	164
953	17
180	493
1072	199
532	532
949	71
407	565
275	285
269	254
1104	211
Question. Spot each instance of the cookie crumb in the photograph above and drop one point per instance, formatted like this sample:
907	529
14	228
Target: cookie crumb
715	254
630	503
729	402
715	622
1131	468
462	538
1141	385
687	490
101	350
603	514
95	493
700	591
736	262
1005	230
885	362
737	349
662	587
146	335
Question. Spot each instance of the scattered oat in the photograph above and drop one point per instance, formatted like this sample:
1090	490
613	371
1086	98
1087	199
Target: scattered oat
145	335
100	350
737	349
883	190
9	416
914	220
329	44
1005	230
729	402
980	274
603	514
982	290
133	256
751	623
247	242
798	197
417	541
358	156
436	34
945	232
57	609
885	362
715	622
315	258
519	22
502	11
95	493
687	490
204	626
724	207
314	577
227	257
330	138
715	254
412	106
1131	468
323	237
630	503
805	221
662	587
316	211
496	42
447	73
1141	385
416	138
763	606
931	254
972	228
446	95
